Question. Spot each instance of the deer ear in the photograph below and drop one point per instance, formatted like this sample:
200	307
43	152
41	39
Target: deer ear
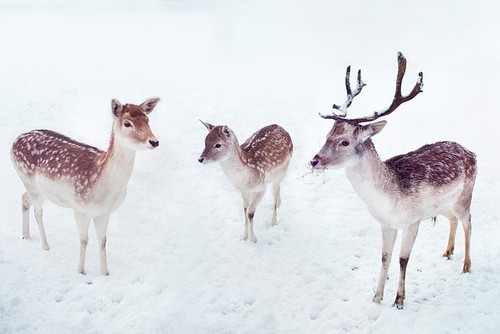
116	107
226	131
376	127
148	105
370	130
207	125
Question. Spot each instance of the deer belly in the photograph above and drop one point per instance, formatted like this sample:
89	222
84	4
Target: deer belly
59	192
399	212
98	201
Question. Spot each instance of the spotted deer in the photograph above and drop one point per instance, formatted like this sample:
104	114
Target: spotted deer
263	158
436	179
74	175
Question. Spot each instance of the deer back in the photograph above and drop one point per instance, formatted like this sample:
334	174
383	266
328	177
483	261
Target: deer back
55	156
267	148
434	166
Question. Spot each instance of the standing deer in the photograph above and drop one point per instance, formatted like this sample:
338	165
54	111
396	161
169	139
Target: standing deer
74	175
436	179
263	158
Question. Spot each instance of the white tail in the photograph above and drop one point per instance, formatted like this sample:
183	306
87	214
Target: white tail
73	175
262	159
436	179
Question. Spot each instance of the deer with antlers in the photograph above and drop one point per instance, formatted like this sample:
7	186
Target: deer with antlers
74	175
436	179
263	158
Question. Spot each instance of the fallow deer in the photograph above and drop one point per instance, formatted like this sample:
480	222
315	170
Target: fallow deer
436	179
74	175
263	158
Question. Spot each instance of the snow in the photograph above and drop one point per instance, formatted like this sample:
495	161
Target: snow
174	252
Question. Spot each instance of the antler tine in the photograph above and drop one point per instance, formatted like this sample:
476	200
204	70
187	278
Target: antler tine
350	95
398	98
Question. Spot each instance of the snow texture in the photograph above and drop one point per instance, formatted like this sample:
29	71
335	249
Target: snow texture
176	261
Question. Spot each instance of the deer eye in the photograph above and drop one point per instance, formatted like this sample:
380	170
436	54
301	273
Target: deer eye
217	145
127	124
344	143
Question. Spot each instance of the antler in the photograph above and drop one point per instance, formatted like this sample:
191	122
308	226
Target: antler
396	102
350	95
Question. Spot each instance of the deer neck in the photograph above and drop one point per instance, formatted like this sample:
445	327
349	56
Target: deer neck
369	175
236	167
117	164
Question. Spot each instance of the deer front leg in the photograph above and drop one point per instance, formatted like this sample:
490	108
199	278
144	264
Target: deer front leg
82	223
101	226
388	239
408	239
253	200
246	203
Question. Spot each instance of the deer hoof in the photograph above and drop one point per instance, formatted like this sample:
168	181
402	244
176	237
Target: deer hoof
377	298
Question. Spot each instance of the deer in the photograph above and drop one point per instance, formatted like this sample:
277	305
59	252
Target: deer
70	174
263	158
436	179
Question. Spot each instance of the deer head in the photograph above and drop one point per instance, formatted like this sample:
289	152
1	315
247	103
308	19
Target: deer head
218	143
348	137
131	124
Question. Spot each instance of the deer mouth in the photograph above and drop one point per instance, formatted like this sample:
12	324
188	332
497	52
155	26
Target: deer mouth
315	163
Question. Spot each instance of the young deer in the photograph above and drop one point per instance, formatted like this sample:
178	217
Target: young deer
73	175
263	158
436	179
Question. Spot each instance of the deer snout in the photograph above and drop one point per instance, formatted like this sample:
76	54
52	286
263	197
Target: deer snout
200	159
154	143
314	161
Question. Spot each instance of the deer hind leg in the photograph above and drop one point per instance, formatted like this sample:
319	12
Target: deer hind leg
462	211
465	218
101	226
388	240
26	205
37	201
408	239
277	202
466	223
453	231
82	223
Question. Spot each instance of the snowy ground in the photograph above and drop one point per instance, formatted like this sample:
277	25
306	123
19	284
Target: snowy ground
174	252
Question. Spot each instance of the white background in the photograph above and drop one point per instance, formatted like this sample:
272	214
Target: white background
174	252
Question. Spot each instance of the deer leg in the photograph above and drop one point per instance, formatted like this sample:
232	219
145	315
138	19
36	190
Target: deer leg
388	239
26	205
246	203
467	232
254	201
37	201
82	223
451	238
277	202
101	226
408	239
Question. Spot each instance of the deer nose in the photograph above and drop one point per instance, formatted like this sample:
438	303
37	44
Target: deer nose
314	162
154	143
200	159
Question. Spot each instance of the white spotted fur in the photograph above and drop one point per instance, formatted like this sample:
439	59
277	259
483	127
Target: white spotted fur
73	175
262	159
